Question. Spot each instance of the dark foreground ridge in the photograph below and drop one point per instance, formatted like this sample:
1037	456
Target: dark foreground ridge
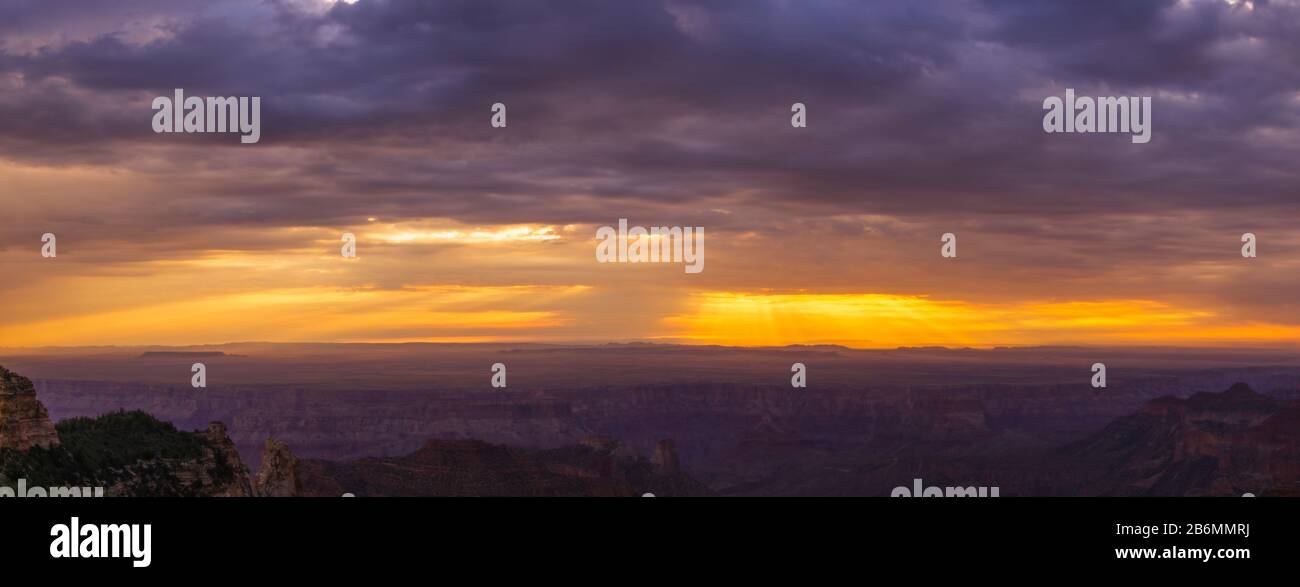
131	454
597	467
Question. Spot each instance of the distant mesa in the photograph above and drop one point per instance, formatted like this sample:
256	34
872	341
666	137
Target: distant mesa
184	355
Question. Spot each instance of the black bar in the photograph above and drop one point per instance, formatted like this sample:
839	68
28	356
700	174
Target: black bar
318	536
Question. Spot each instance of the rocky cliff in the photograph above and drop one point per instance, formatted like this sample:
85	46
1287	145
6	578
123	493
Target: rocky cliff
1225	444
125	453
24	423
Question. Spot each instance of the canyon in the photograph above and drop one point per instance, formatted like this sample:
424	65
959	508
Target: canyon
950	416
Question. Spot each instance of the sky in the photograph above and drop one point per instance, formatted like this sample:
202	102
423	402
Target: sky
923	118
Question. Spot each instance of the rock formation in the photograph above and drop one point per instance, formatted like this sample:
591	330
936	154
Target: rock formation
278	474
665	458
227	456
24	422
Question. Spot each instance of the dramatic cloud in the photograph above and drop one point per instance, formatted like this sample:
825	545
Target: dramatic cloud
924	118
